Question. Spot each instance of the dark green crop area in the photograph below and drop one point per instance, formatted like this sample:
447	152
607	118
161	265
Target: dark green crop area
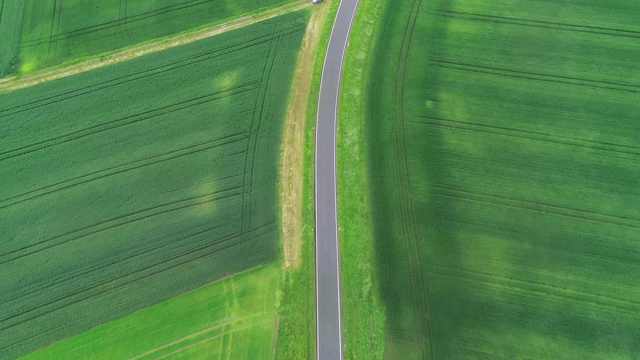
133	183
57	31
504	177
10	25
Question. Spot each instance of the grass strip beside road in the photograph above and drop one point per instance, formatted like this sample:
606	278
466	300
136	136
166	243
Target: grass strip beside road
362	314
297	311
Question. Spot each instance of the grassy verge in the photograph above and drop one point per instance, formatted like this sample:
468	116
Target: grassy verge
296	329
363	315
202	323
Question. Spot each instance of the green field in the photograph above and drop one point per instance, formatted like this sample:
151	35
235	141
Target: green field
57	31
10	24
229	319
133	183
505	198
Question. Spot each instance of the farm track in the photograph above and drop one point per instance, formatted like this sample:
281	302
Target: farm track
46	101
527	134
11	83
103	289
597	30
526	75
406	192
125	121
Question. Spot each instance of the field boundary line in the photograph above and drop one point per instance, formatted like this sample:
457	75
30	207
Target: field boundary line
14	83
186	337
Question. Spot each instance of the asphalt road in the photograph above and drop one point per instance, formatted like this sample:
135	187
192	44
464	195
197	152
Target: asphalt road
328	311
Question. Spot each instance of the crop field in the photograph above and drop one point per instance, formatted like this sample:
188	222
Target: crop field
130	184
10	24
505	198
56	31
230	319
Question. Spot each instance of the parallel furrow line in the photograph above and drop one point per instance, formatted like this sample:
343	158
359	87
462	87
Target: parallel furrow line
118	222
540	24
540	207
122	168
125	121
559	79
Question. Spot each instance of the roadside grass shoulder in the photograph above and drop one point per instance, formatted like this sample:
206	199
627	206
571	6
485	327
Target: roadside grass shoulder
362	312
297	311
235	314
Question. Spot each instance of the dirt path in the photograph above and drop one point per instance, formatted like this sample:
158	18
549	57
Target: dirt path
15	83
292	151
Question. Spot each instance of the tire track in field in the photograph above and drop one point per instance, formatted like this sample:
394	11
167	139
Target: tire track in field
1	10
55	42
227	321
401	154
185	261
616	303
250	137
103	264
53	24
584	252
121	168
526	134
536	206
526	75
114	23
9	84
148	72
125	121
422	283
597	30
119	221
254	128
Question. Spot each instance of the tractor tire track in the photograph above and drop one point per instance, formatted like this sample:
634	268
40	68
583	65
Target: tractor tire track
120	221
597	30
187	261
536	206
125	121
47	101
525	75
122	168
527	134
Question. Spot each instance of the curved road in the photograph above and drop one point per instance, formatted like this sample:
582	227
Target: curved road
328	316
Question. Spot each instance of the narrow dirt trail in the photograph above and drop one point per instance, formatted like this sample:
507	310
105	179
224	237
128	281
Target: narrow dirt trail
14	82
292	150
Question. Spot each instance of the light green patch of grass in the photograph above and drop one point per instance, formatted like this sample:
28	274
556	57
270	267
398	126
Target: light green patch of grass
235	314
